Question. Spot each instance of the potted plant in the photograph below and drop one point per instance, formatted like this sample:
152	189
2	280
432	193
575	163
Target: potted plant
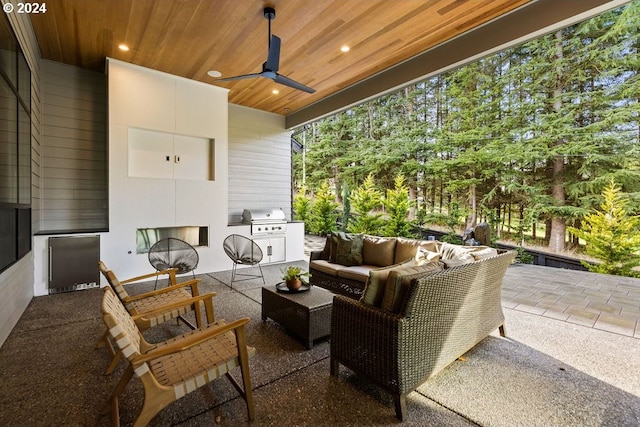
292	277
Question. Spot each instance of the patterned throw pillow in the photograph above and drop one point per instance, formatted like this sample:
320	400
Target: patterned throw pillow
333	246
349	249
425	256
462	253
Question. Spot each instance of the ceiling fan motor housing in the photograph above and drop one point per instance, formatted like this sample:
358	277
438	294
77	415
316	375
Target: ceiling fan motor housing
269	13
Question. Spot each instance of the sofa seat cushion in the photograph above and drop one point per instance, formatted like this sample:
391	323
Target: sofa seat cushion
400	281
406	248
326	266
374	287
356	272
378	251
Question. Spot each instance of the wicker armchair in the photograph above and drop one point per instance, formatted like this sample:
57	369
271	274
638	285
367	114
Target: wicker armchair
172	369
156	307
445	315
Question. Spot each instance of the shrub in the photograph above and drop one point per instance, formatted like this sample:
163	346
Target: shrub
322	215
397	206
301	206
365	201
611	235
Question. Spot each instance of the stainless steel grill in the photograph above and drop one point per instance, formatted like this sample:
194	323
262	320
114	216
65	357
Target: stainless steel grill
265	221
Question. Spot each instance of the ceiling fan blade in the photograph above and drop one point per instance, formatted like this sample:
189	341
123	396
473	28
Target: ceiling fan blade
243	76
273	60
292	83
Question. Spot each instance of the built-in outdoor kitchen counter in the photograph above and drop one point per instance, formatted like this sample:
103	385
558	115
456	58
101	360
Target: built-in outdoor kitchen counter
279	239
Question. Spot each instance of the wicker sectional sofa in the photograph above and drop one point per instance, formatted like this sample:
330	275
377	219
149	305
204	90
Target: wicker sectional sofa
442	316
348	274
407	308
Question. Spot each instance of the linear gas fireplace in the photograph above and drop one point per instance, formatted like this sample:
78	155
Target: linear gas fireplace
194	235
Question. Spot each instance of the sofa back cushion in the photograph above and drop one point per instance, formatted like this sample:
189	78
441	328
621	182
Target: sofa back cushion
378	251
455	255
375	285
483	252
406	248
399	283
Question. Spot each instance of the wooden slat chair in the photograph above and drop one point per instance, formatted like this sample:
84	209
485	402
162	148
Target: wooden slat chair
176	367
159	306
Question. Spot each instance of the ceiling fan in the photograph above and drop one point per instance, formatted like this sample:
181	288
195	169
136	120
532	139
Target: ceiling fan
270	68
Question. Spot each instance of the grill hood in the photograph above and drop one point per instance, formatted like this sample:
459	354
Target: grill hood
250	216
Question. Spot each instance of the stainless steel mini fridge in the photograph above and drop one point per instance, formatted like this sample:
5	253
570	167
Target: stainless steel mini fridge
73	263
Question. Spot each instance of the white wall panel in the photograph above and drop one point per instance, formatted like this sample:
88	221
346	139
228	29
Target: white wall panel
147	103
191	111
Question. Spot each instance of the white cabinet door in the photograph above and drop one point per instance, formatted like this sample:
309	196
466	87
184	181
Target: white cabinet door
155	154
150	154
192	157
273	249
278	249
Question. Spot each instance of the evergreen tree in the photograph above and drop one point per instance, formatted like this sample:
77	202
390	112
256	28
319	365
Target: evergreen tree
397	209
346	207
533	132
323	215
611	234
301	206
366	200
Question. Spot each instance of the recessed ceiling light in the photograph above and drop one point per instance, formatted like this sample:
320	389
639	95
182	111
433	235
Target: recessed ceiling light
345	48
275	91
214	73
123	47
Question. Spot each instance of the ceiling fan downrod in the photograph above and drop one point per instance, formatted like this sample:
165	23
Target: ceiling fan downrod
269	14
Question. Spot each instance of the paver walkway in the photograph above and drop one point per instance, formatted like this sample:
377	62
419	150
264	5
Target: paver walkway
600	301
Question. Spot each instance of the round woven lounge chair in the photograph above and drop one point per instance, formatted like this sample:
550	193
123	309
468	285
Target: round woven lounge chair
173	253
243	251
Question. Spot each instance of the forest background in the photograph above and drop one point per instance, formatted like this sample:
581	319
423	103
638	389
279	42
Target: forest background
525	139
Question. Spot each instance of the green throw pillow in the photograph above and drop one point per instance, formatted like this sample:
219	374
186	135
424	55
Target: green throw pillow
349	249
333	246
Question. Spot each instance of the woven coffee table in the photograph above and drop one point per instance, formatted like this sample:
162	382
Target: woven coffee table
305	314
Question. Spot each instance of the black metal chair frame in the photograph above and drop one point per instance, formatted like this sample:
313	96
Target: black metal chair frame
254	258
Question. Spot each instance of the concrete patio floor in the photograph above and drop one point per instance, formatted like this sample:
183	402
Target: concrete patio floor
568	360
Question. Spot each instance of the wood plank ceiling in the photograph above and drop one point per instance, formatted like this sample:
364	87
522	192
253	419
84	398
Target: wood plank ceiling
190	37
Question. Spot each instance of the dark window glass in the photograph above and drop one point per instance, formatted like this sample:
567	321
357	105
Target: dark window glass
15	149
24	157
8	233
8	144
